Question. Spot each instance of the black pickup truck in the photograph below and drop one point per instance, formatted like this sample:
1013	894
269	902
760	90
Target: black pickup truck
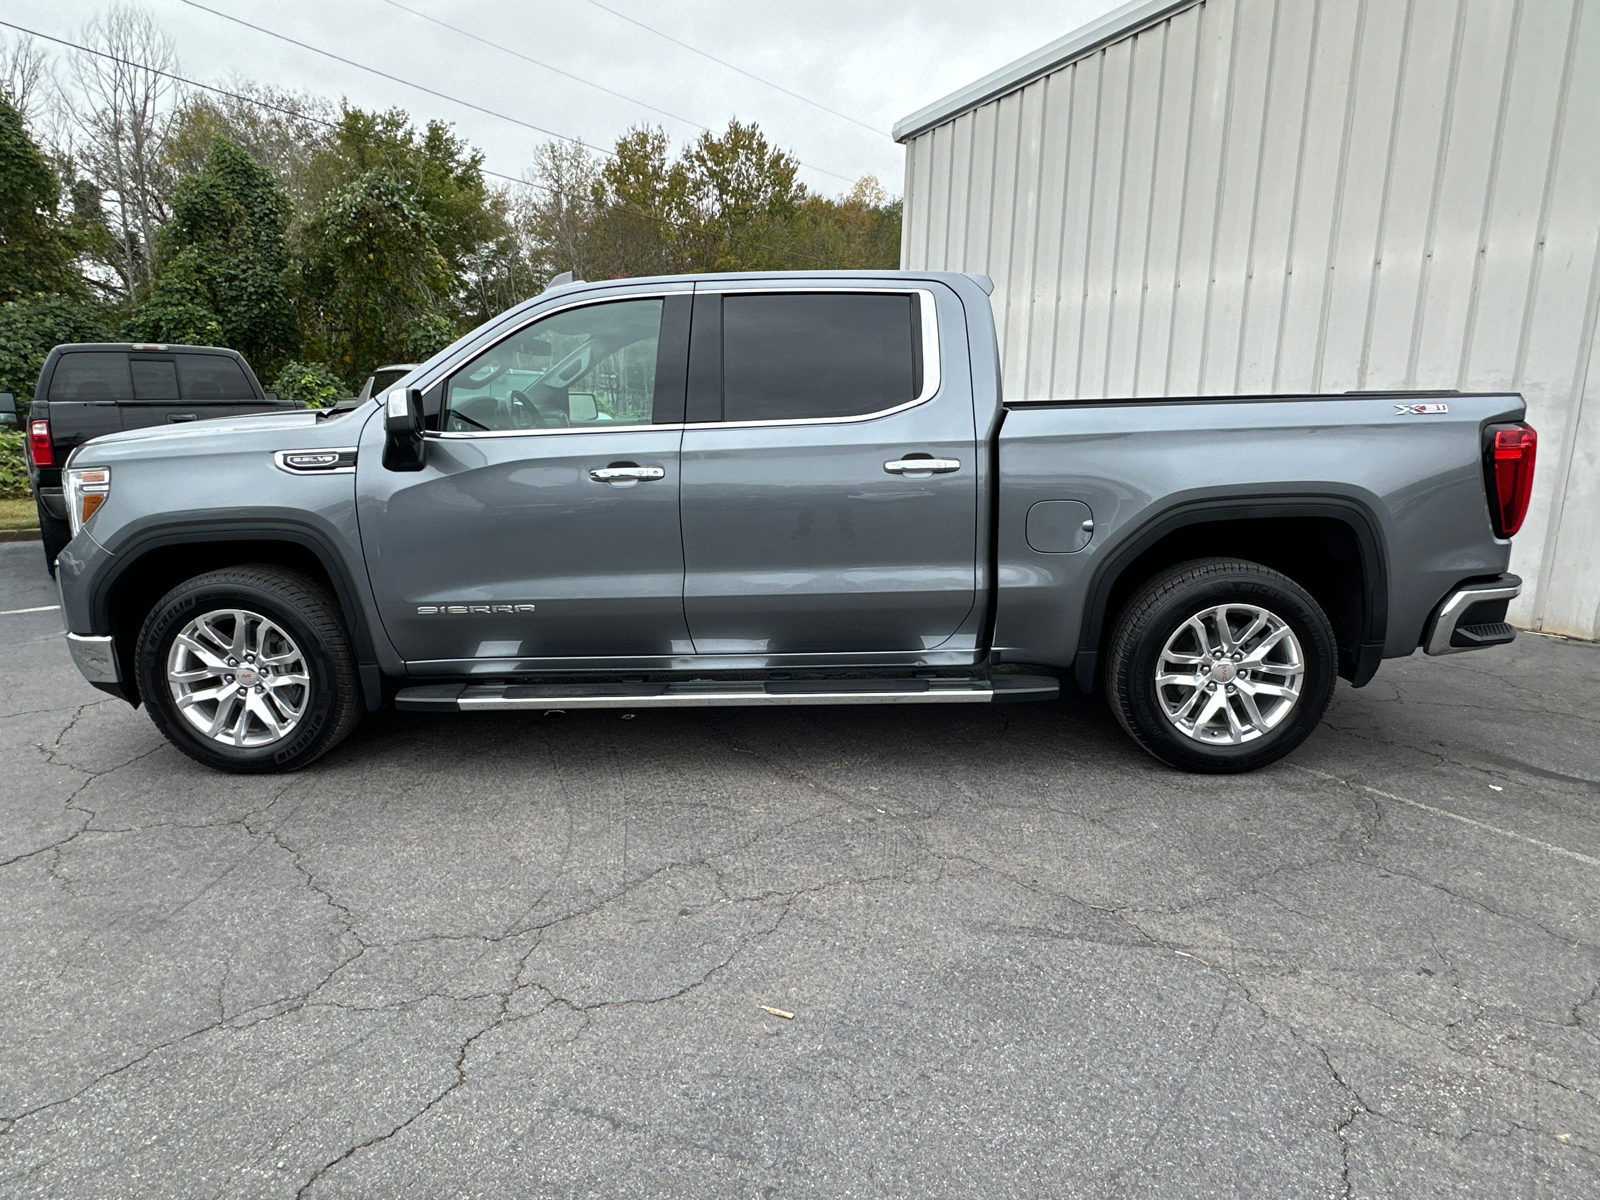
95	388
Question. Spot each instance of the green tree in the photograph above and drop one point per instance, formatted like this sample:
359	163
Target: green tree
223	271
373	279
441	176
30	327
36	246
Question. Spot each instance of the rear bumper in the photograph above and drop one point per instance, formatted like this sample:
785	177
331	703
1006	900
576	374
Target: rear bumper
54	502
1472	617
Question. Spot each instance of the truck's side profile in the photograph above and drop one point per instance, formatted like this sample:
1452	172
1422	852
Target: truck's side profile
780	489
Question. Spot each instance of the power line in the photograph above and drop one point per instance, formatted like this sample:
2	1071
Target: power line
350	62
664	222
580	79
724	62
528	58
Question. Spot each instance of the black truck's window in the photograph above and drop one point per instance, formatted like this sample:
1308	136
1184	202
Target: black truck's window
797	356
154	379
212	377
91	375
587	368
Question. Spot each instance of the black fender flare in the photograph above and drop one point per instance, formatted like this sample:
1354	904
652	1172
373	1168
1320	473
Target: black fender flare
131	550
1357	517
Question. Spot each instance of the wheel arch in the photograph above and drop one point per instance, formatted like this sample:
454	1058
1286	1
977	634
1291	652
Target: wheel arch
157	560
1278	532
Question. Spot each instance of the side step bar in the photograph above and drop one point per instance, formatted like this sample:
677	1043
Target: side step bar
542	697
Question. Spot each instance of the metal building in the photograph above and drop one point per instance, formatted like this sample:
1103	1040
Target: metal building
1213	196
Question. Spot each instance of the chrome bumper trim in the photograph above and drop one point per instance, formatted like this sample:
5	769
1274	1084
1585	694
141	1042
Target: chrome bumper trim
1443	625
95	658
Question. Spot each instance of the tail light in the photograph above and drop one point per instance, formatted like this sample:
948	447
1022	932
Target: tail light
1508	455
39	448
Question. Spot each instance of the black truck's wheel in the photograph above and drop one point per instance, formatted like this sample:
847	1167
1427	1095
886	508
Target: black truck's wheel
54	532
248	669
1220	665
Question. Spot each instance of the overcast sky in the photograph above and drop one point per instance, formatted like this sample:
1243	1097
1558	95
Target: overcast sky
874	62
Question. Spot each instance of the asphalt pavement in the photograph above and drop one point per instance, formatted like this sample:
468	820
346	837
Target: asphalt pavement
519	956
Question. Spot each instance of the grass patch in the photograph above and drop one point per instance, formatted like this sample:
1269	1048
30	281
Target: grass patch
18	514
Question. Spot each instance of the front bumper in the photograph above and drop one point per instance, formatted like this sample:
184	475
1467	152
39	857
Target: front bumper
1473	617
95	658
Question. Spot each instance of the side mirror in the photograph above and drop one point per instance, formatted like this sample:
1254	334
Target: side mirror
403	446
581	408
8	411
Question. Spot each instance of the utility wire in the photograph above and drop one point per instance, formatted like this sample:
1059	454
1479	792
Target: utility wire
724	62
580	79
528	58
664	222
350	62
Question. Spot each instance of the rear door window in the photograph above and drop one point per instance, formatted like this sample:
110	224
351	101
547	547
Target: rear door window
91	375
154	379
803	356
203	377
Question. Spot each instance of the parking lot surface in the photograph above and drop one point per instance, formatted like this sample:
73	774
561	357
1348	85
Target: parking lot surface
528	956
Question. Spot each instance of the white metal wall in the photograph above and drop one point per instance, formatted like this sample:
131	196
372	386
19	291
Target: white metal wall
1306	195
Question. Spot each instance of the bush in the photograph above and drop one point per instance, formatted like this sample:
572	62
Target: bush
28	330
13	467
312	383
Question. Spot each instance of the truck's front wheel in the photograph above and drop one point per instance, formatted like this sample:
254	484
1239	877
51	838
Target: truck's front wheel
248	669
1221	665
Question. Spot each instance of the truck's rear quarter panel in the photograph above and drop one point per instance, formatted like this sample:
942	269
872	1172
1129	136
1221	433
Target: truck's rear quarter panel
1418	476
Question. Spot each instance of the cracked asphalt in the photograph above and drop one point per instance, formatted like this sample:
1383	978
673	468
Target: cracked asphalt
526	956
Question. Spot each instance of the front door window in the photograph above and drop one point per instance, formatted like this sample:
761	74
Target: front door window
585	368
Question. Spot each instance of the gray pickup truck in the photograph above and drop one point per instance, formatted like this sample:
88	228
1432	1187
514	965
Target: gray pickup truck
782	489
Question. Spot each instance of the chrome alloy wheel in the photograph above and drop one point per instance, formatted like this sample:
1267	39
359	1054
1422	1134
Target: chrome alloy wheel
238	678
1230	674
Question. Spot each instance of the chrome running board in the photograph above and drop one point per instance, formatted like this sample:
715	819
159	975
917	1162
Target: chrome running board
544	697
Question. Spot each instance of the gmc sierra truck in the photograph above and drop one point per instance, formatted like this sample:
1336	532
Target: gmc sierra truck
778	489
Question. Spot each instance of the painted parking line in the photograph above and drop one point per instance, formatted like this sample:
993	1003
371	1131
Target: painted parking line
11	612
1455	816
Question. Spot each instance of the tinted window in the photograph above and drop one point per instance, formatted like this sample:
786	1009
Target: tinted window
91	375
817	355
212	377
154	380
591	367
382	381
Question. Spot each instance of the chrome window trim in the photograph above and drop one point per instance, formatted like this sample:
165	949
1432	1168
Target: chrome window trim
428	381
931	376
457	434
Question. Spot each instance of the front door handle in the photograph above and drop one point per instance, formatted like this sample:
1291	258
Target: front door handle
922	466
626	473
179	418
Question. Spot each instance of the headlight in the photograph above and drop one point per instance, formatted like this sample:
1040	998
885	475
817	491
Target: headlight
87	489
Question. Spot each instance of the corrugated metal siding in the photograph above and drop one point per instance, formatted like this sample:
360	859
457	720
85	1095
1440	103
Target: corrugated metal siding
1317	195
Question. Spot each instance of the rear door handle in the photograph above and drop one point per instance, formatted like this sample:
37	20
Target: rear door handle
922	466
626	473
179	418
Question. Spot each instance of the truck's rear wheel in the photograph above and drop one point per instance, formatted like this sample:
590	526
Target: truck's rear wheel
1220	665
54	533
248	669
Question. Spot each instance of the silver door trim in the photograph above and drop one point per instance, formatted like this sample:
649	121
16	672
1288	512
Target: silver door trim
931	378
931	360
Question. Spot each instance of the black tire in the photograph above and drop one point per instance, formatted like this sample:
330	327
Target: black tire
330	706
55	533
1164	606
